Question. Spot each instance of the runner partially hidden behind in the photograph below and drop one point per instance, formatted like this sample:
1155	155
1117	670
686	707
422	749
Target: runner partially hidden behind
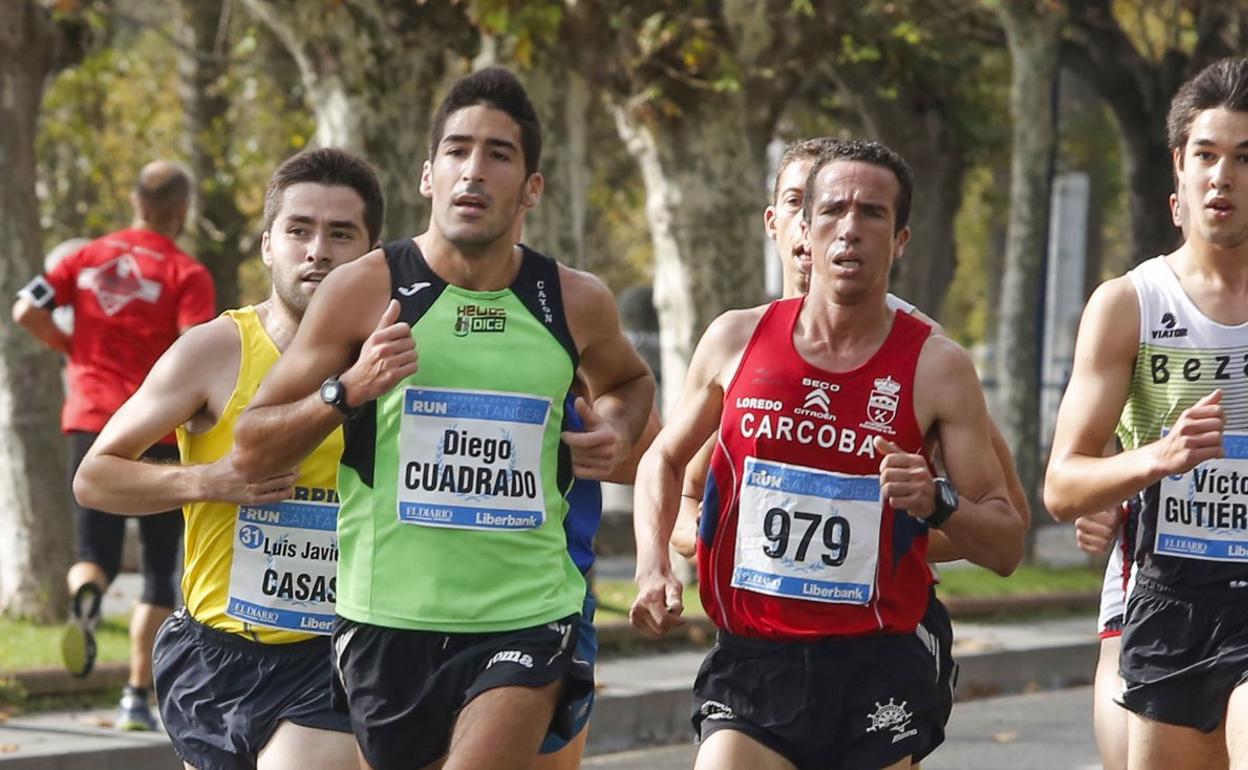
1159	361
814	533
450	355
243	670
132	293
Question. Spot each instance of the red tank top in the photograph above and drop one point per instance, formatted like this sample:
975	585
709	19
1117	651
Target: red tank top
795	542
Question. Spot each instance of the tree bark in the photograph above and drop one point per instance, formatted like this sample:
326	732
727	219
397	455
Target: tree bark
1031	32
371	69
37	546
704	190
203	69
562	99
914	125
1138	90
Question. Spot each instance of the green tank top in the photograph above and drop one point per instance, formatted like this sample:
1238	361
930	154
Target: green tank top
452	484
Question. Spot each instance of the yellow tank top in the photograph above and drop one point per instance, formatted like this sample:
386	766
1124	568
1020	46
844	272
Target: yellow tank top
262	572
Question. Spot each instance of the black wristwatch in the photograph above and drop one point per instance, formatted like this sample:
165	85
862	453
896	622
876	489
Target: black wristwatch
946	503
334	393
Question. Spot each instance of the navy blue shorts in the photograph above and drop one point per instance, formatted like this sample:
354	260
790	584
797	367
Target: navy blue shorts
222	696
586	650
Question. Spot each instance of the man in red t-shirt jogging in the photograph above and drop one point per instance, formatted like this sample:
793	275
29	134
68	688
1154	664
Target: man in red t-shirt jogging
811	555
132	292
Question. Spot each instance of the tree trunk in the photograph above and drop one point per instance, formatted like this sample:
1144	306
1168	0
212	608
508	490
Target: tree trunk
371	69
37	545
202	65
1032	37
919	134
562	99
704	191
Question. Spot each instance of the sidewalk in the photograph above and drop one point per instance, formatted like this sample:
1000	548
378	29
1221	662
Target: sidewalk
642	701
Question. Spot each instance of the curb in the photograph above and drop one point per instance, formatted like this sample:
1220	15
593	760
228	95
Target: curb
660	717
612	634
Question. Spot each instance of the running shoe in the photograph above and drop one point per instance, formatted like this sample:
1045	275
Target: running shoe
78	641
133	713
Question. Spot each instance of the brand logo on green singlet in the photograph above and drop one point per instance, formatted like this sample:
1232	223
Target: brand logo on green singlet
474	318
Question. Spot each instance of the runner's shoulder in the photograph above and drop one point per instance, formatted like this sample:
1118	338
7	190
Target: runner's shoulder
1112	315
207	344
734	328
942	360
583	291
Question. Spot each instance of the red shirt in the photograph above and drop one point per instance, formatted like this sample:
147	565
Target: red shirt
133	292
795	542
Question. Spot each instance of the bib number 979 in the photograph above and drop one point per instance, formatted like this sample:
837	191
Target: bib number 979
779	529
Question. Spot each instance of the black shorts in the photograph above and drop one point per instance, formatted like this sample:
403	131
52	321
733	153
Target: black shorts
405	688
936	632
222	696
99	536
845	703
1183	652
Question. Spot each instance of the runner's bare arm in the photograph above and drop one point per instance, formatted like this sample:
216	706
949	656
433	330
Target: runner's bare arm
939	548
176	391
626	472
343	327
38	322
985	529
622	384
685	531
1080	480
657	494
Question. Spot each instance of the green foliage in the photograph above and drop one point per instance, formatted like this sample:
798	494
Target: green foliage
101	121
985	207
1027	579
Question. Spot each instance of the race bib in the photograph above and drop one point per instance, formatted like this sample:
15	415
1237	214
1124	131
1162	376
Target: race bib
807	534
285	566
472	459
1203	514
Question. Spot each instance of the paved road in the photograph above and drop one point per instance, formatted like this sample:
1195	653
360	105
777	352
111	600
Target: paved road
1042	731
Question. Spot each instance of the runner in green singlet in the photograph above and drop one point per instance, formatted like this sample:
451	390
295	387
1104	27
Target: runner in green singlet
449	356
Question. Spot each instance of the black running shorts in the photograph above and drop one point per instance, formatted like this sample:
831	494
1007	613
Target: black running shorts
99	536
404	689
1183	652
857	703
936	632
222	696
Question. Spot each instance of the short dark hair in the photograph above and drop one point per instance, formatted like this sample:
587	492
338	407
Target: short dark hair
802	149
494	87
866	152
163	188
1222	84
329	166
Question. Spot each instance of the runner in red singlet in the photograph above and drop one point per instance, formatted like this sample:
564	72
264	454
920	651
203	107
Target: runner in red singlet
821	495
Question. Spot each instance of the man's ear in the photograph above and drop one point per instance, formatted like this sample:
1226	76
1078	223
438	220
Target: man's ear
769	222
533	188
900	240
426	180
266	250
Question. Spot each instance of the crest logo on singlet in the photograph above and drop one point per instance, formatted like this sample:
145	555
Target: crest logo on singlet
818	402
882	405
474	318
1168	330
117	283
